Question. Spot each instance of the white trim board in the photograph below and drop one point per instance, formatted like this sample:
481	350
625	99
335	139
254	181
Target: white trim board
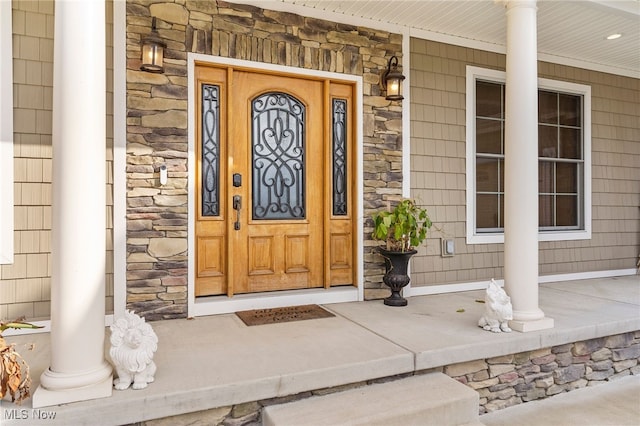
406	116
224	304
585	275
46	327
337	295
119	158
215	305
6	134
543	279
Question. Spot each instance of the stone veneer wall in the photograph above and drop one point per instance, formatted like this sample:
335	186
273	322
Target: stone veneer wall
502	381
513	379
157	125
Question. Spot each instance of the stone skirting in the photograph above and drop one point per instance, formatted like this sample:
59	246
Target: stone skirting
501	382
513	379
157	126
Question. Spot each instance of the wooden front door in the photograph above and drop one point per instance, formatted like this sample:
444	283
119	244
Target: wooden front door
266	220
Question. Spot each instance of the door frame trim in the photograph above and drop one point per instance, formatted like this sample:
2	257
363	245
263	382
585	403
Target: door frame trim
222	304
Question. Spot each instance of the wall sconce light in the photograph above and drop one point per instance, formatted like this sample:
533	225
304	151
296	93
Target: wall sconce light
152	50
391	80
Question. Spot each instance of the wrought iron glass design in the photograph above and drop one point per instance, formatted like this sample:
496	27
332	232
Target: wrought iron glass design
210	161
339	150
278	157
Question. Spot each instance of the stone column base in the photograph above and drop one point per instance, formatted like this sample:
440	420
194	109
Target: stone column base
535	325
44	397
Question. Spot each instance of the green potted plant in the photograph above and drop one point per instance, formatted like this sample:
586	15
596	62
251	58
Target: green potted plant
402	229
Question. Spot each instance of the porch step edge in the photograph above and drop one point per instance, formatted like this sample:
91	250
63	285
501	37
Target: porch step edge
426	399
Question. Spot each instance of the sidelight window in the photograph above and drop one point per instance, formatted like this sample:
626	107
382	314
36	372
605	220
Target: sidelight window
210	161
339	156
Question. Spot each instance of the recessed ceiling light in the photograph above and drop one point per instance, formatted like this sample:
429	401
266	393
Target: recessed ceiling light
614	36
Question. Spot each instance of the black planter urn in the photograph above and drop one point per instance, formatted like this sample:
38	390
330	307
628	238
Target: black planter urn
396	277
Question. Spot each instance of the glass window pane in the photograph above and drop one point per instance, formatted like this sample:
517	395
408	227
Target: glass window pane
210	151
560	133
278	157
567	178
547	107
570	143
486	211
487	175
570	110
545	210
545	177
488	136
488	99
339	151
547	141
567	214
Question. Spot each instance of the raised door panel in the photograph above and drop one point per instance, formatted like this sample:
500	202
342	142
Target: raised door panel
210	140
278	130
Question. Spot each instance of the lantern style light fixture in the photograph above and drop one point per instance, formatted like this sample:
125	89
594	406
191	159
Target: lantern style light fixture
152	51
391	80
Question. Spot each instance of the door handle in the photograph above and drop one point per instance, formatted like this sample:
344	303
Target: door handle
237	205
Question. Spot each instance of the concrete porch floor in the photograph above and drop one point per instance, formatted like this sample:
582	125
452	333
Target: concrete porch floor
217	361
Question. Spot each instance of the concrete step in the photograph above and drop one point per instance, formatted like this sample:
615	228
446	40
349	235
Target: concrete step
427	399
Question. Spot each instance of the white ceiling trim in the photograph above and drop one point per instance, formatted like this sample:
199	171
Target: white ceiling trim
282	6
621	7
458	41
554	59
625	6
496	48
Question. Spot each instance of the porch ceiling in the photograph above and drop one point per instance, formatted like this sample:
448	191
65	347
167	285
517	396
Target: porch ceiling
569	32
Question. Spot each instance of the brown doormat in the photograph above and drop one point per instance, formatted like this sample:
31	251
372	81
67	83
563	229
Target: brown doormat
287	314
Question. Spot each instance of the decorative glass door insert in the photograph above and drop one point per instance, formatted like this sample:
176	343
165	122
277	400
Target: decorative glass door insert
278	140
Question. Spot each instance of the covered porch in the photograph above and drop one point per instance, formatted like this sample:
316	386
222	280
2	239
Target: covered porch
219	362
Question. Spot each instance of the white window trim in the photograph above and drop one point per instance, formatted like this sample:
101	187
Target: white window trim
6	134
474	73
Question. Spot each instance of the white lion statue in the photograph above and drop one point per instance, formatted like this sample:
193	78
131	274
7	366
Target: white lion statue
497	309
133	343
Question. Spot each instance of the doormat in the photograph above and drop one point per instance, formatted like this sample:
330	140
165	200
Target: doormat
287	314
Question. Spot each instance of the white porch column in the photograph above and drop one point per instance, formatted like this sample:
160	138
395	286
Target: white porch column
521	168
78	370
